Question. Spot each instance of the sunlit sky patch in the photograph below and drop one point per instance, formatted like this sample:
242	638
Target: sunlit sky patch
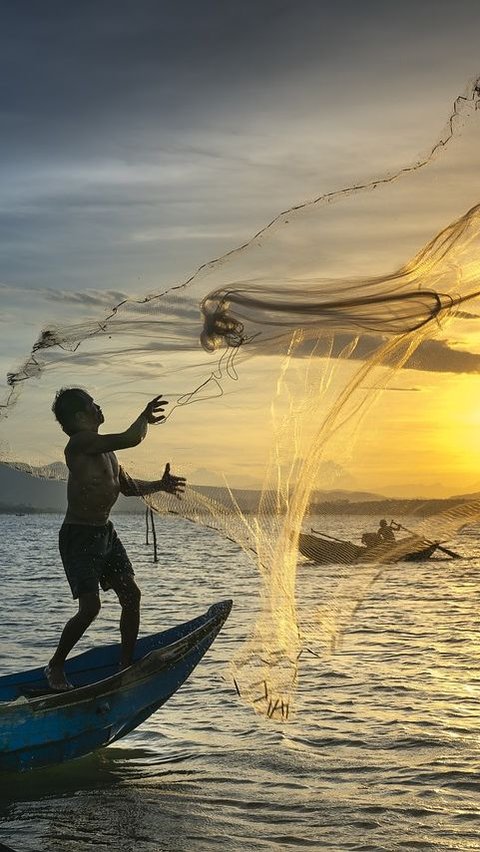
138	142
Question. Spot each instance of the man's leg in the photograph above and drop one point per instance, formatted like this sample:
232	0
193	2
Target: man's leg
88	609
129	596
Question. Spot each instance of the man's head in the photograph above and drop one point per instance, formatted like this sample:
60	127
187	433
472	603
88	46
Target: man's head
76	411
383	523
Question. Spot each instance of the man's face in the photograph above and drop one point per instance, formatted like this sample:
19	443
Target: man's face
92	415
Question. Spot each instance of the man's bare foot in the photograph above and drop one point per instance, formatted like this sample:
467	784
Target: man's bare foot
56	679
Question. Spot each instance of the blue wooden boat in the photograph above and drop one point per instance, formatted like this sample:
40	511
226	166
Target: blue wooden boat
39	727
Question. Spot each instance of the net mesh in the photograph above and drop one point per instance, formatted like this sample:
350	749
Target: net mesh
278	359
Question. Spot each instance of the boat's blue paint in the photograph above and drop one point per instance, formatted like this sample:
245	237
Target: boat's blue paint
96	664
106	704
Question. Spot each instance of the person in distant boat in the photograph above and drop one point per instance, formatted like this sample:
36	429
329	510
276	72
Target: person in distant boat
91	551
371	539
386	531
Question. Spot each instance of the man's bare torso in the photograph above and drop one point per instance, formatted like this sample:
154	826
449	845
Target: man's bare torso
93	486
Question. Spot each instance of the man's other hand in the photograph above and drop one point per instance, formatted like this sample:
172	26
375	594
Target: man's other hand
172	484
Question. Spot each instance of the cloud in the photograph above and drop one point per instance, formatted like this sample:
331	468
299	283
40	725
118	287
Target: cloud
139	328
89	297
436	356
394	388
433	356
131	140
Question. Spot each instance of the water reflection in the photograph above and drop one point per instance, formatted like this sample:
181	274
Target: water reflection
118	798
382	753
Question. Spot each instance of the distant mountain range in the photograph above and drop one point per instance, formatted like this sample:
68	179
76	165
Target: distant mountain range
20	491
464	498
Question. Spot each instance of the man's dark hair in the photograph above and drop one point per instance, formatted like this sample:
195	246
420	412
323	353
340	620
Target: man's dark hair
67	403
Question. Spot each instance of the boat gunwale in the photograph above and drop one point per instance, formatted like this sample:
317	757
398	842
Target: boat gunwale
152	663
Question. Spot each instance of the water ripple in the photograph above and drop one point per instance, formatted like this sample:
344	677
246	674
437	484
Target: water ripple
381	755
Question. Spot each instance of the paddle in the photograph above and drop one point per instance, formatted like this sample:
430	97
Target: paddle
325	535
429	541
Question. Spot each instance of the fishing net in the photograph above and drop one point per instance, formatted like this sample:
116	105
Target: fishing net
286	361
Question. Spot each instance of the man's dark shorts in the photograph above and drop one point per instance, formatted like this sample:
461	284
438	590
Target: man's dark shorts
91	556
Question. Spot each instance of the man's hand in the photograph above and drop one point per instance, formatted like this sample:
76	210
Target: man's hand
152	411
172	484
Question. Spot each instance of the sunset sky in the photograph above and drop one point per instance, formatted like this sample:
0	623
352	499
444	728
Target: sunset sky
139	140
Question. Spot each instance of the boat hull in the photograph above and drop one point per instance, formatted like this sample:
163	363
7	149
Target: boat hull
40	730
325	552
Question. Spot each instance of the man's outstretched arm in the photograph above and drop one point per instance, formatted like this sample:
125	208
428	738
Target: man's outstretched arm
130	487
92	443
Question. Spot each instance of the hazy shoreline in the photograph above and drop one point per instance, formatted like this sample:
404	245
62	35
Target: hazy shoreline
377	508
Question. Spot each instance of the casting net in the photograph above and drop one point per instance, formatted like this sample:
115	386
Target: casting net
284	362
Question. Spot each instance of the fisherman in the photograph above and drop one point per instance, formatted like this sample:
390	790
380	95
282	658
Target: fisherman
385	531
91	551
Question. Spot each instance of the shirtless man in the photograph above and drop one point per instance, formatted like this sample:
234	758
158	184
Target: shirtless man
92	554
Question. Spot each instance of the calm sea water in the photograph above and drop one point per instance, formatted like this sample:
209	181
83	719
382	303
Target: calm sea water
382	754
